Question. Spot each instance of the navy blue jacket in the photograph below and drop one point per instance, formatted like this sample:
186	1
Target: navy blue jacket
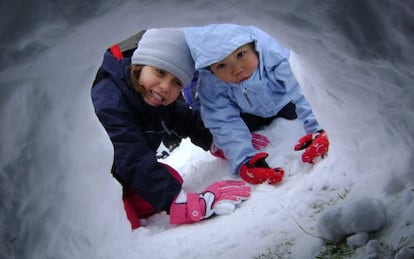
136	130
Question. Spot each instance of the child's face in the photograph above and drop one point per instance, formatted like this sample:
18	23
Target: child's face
238	66
158	87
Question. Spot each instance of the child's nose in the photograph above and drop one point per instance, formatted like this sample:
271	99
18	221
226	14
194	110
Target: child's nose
165	85
237	70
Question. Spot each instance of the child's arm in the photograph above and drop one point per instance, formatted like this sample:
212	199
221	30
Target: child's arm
283	73
275	59
316	141
186	122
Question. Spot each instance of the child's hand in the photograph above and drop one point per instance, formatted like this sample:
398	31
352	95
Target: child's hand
316	145
256	171
217	152
259	141
218	198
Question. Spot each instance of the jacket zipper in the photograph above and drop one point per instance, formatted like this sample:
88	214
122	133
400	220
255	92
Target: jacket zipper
165	127
244	91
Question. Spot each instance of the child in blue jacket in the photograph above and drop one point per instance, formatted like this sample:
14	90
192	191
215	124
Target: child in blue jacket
135	98
245	81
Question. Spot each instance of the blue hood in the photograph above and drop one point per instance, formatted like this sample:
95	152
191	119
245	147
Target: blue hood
212	43
206	43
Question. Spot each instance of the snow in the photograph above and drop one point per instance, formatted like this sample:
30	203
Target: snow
354	61
363	215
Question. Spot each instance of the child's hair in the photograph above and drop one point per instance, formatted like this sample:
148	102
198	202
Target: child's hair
135	72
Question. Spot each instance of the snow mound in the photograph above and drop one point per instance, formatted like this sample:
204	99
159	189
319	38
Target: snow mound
340	221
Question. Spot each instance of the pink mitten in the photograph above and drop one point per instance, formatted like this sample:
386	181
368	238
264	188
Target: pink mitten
259	141
218	198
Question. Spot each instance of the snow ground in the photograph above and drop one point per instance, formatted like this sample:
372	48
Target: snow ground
353	60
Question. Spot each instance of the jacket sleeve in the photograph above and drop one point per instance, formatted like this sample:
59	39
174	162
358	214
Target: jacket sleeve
275	58
222	117
186	122
135	165
284	75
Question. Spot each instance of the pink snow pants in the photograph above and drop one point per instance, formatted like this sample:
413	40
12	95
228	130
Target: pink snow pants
136	207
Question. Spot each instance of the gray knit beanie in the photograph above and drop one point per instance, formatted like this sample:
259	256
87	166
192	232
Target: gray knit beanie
166	49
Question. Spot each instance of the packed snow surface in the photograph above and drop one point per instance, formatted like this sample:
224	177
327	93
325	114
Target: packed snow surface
354	60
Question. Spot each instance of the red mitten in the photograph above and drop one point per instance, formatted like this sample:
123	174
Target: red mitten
217	152
257	171
316	145
218	198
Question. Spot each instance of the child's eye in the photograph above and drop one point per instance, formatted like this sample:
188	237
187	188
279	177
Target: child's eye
220	66
178	83
160	72
241	54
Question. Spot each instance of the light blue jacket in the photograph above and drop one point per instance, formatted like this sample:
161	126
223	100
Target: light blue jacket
264	94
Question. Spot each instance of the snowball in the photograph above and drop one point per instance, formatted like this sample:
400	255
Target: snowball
339	221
